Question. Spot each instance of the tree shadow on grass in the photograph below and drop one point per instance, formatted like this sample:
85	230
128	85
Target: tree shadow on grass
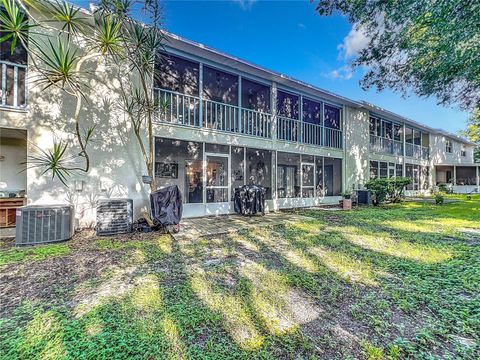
294	290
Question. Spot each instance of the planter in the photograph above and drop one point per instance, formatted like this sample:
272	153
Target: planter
347	204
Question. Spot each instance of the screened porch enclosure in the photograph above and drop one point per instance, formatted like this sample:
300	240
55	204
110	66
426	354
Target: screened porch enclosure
193	94
208	174
460	179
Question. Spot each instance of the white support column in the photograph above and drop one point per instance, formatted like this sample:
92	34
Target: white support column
404	151
273	111
200	94
3	99
478	177
300	117
204	175
239	117
454	175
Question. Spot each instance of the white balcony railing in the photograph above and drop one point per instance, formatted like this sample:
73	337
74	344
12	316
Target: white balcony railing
188	110
388	146
181	109
13	89
417	151
288	129
312	134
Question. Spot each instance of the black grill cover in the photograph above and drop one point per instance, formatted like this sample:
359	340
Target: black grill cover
166	206
249	200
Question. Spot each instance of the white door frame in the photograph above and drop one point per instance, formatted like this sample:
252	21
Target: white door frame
218	207
312	164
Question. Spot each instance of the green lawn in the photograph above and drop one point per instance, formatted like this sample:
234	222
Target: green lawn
397	282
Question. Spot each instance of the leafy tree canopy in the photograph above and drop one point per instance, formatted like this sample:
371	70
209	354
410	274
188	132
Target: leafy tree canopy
472	132
429	46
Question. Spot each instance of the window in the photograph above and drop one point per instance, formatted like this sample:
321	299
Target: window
425	175
448	146
397	132
220	86
373	169
311	111
413	171
417	137
332	117
259	169
375	126
13	75
466	175
180	163
238	169
255	96
332	176
398	170
383	170
463	152
288	175
387	130
287	105
177	74
391	170
408	135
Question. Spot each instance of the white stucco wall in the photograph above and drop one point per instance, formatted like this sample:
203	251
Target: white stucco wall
13	155
440	156
356	140
116	161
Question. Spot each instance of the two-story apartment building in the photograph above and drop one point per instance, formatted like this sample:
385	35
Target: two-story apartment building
223	123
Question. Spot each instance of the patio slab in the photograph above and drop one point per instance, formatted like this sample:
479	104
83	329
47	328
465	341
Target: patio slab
195	228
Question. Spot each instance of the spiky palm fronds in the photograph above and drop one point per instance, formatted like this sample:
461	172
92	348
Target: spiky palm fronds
108	38
14	24
69	17
60	70
55	161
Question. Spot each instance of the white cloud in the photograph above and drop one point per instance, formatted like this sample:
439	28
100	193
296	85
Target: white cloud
245	4
345	73
353	43
301	26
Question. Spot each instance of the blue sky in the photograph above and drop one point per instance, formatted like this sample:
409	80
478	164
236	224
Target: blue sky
291	38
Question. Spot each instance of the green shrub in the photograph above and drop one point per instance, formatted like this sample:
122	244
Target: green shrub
388	189
346	194
439	199
442	188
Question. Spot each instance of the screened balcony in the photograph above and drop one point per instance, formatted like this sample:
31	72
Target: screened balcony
195	95
388	137
220	101
316	124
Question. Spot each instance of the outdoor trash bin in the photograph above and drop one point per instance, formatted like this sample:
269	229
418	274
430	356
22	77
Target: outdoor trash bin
249	200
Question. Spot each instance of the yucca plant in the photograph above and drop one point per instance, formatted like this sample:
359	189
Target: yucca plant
135	61
14	25
129	47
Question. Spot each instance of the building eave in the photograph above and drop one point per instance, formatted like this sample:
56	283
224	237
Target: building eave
201	50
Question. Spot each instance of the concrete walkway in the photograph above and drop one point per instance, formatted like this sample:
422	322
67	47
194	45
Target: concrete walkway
195	228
